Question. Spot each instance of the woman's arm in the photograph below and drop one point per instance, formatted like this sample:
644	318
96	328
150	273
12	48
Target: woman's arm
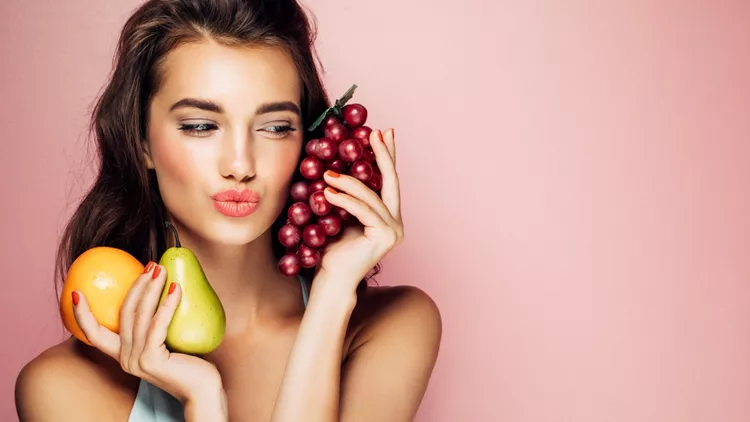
384	379
387	375
310	388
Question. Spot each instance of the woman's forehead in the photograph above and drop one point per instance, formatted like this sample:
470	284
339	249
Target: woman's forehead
243	76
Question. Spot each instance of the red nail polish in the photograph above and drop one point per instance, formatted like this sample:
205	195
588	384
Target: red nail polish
380	136
171	288
149	266
332	173
332	190
156	273
76	298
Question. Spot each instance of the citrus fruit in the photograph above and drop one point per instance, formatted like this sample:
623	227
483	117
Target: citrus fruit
104	275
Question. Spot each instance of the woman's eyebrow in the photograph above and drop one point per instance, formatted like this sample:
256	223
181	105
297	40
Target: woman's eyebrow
278	106
216	108
197	103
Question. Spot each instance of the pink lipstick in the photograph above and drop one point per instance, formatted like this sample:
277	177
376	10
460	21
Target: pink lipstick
236	203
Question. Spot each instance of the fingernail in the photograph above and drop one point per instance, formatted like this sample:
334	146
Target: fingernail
332	190
380	136
393	133
172	287
76	298
149	266
157	270
332	173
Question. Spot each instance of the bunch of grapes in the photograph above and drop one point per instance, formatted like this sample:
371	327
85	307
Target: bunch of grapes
344	148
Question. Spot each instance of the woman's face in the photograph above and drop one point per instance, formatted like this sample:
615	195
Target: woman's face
225	119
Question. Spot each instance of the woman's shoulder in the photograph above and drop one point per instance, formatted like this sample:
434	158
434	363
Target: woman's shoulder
72	381
402	315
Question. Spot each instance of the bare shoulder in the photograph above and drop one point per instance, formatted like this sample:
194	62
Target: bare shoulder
394	348
71	381
401	313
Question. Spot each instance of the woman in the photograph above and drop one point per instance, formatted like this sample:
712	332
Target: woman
208	96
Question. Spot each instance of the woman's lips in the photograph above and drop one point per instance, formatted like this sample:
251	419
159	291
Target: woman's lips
236	203
235	209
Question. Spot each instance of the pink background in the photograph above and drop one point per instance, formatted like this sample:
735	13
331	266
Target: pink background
575	180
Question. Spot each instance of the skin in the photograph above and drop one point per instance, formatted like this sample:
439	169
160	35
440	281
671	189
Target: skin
347	357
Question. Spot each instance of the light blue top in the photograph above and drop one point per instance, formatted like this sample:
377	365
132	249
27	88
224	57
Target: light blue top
155	405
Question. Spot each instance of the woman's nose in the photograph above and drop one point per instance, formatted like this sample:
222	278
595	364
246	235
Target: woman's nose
237	160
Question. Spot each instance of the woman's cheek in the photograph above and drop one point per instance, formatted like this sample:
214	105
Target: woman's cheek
173	160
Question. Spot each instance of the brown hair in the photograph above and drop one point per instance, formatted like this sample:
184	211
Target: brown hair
123	208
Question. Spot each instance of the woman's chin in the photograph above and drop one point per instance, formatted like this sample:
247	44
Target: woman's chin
234	233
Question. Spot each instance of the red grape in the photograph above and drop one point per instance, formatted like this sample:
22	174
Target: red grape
350	150
338	165
343	214
325	149
363	134
319	204
311	146
313	236
309	257
368	155
331	224
290	264
361	170
376	182
289	235
330	120
299	191
344	147
336	132
316	186
354	115
299	213
311	168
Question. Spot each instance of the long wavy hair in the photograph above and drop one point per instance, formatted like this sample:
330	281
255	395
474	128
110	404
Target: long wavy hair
123	207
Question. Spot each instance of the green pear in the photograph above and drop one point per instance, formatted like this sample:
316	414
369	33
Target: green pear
199	322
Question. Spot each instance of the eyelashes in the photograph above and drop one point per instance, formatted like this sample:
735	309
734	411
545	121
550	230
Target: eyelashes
201	130
197	129
282	130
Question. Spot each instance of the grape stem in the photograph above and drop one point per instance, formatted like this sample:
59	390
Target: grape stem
335	108
174	230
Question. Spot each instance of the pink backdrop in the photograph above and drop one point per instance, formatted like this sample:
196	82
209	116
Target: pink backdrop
575	180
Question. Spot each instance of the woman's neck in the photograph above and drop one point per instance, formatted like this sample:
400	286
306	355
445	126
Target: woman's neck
246	279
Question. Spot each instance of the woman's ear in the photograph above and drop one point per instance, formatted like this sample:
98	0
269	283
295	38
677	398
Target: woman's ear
147	155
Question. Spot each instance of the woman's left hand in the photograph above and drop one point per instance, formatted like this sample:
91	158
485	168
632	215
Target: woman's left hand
349	258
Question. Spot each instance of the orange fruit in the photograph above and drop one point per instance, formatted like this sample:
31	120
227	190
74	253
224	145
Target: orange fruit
104	275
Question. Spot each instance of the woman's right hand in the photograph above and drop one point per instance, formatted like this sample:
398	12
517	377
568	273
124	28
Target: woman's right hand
140	348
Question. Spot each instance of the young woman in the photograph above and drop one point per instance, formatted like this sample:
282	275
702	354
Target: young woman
209	96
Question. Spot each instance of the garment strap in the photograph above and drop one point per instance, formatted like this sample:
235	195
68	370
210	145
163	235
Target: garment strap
305	292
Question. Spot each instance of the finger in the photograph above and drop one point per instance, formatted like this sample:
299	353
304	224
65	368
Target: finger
157	331
366	215
387	139
145	309
391	191
99	336
127	312
355	188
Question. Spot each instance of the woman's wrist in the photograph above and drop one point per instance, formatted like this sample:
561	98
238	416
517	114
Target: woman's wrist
333	294
207	407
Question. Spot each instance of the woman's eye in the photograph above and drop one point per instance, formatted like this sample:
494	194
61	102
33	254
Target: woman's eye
197	129
279	131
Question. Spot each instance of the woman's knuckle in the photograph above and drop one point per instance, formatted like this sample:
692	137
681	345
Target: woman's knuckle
146	363
391	236
399	234
135	364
